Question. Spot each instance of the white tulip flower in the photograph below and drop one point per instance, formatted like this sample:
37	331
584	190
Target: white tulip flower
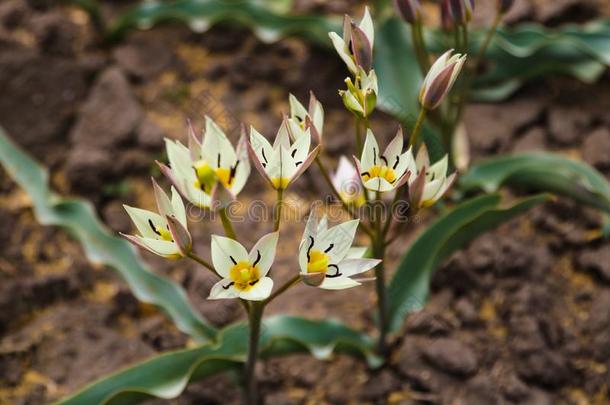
387	171
301	119
198	169
326	258
356	46
428	183
244	274
346	181
159	232
284	162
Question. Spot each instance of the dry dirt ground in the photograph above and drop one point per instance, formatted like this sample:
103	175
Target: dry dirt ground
521	316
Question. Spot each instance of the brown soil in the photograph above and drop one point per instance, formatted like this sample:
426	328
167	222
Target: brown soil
521	316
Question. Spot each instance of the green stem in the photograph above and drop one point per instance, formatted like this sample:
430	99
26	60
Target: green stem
358	136
490	34
202	262
421	53
226	224
280	204
379	253
254	321
418	126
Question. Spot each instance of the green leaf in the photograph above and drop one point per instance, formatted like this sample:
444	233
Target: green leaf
166	375
540	171
269	20
100	245
409	288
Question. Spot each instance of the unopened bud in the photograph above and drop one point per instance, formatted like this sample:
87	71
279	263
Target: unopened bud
446	19
409	10
361	47
461	10
440	79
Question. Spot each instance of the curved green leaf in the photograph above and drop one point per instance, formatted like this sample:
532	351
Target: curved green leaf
541	171
269	23
409	288
99	244
166	375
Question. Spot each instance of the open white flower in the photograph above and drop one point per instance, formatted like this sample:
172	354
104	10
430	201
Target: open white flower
428	183
387	171
326	258
196	170
301	119
244	274
284	162
356	46
346	181
156	233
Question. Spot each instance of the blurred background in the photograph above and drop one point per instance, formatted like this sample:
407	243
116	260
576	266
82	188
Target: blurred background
521	316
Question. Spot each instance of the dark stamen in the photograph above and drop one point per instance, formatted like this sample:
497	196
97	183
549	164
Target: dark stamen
233	260
264	157
218	163
337	273
253	282
365	174
329	248
258	258
226	287
294	152
232	172
309	248
153	227
396	163
375	156
384	159
298	163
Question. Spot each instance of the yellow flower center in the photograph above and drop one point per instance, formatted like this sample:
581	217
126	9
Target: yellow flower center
280	182
383	172
244	275
318	262
164	233
207	176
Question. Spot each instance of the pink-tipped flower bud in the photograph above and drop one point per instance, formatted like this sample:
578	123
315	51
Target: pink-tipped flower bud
461	10
409	10
440	79
505	5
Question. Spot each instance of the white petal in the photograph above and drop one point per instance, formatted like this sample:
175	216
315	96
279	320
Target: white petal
394	149
431	189
338	283
340	237
296	108
288	165
311	227
366	25
242	172
378	184
370	151
439	169
259	291
141	219
300	148
283	136
341	49
219	291
164	205
266	248
178	208
161	247
262	148
215	145
223	249
351	267
356	252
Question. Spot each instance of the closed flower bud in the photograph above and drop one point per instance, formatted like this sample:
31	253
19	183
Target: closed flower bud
505	5
181	236
440	79
446	18
409	10
361	97
461	10
356	45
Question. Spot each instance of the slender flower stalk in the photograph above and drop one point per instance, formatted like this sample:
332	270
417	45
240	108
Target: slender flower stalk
417	127
255	317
